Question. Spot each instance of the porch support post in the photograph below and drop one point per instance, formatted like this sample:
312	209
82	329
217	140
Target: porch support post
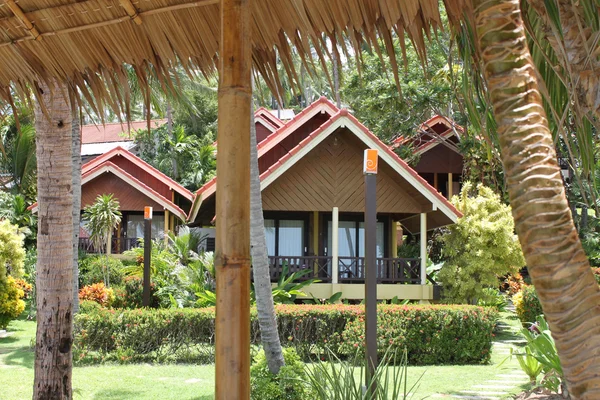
232	256
394	238
315	240
423	249
435	181
334	245
167	227
450	185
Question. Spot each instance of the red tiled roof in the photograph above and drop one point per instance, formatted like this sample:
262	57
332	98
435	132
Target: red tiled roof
115	132
272	119
426	127
343	113
209	188
284	131
140	163
146	188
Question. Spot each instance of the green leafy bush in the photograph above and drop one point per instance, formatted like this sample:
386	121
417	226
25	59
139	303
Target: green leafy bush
480	247
289	384
130	293
11	305
12	256
527	304
95	268
493	298
432	334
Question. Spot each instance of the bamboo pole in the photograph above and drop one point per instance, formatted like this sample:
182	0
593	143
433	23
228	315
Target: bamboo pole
232	261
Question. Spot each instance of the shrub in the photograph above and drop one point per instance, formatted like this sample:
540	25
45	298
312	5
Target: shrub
512	284
94	269
11	305
89	306
432	334
493	298
25	287
527	304
130	294
480	247
97	293
12	256
289	384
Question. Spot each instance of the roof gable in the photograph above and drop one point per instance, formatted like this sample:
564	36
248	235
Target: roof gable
137	167
339	119
436	130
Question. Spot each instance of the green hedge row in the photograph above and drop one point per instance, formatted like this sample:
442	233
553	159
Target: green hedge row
432	334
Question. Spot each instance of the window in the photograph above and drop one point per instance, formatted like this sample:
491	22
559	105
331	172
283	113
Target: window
285	237
351	239
135	226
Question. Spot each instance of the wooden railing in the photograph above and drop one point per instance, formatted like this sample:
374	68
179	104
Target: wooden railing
317	267
119	245
350	269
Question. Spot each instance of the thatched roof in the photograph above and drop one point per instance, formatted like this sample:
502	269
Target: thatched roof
87	41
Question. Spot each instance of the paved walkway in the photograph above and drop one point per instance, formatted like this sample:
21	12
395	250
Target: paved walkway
500	386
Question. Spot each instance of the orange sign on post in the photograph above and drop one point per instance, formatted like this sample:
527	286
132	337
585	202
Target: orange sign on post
370	162
147	212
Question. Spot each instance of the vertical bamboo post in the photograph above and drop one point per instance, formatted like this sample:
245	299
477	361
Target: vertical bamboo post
450	194
232	258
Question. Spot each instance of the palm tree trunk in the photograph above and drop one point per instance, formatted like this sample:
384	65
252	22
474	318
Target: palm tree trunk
76	177
54	281
580	57
557	263
260	265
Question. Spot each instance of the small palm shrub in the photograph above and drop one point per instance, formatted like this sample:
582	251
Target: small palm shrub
97	293
95	269
527	304
289	384
11	305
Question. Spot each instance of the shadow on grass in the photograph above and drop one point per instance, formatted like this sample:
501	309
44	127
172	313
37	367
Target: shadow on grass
22	357
8	340
205	397
114	394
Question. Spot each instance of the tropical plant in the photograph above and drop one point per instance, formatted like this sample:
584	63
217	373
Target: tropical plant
491	297
17	157
541	346
289	286
12	255
102	217
289	383
529	364
337	379
541	211
14	209
480	248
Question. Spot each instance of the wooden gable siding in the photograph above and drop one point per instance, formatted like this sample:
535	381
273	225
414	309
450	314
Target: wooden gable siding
281	149
440	159
261	132
331	176
130	199
143	176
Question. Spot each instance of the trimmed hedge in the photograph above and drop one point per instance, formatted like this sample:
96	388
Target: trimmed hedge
432	334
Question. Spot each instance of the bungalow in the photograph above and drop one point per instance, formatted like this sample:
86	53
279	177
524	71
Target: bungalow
440	162
135	184
313	200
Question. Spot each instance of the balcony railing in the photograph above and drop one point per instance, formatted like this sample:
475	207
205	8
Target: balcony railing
118	246
350	269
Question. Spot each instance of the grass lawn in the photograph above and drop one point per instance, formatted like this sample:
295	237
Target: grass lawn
185	382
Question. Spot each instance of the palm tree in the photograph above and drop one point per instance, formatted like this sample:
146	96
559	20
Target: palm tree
557	263
102	218
54	298
76	178
260	265
17	158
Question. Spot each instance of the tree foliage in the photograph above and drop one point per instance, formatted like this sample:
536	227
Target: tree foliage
102	217
480	247
12	255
